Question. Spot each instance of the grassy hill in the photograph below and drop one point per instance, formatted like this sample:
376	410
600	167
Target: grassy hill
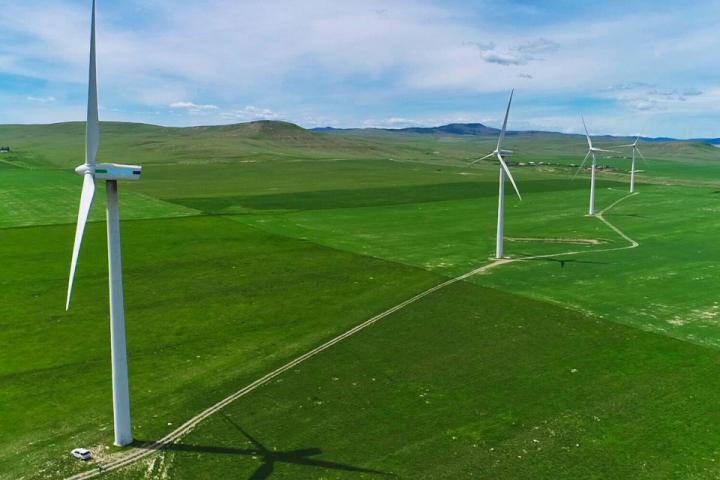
62	146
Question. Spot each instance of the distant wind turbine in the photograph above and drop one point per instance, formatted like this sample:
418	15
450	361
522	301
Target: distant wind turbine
591	153
635	150
501	154
111	173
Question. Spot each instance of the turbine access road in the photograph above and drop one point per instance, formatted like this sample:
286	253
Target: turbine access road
143	451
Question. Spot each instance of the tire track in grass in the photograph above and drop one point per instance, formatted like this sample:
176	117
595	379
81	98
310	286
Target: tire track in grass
143	451
599	216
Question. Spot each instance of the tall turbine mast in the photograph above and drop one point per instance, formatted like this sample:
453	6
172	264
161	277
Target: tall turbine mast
591	153
635	150
111	173
504	170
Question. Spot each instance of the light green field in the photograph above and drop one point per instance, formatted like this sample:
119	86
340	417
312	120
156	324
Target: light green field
450	236
46	197
668	284
246	246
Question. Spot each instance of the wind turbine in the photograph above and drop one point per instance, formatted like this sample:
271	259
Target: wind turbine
635	150
111	173
591	153
501	154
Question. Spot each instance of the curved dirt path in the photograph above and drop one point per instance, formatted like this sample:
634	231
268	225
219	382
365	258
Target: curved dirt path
127	458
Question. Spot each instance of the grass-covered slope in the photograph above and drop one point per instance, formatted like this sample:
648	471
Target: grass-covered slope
471	383
45	197
667	284
210	305
62	145
245	246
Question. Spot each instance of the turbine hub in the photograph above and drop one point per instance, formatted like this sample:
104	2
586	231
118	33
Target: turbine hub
83	169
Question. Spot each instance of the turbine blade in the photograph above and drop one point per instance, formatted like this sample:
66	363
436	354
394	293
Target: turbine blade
86	200
504	127
492	154
587	135
507	172
581	165
641	155
92	127
636	140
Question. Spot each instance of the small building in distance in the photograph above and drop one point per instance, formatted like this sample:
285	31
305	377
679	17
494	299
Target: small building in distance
4	149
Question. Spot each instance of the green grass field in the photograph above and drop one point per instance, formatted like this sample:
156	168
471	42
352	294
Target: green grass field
246	246
667	285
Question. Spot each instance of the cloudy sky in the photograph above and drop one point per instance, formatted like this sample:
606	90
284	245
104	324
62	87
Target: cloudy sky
629	66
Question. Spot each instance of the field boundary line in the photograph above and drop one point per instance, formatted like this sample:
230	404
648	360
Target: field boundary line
146	450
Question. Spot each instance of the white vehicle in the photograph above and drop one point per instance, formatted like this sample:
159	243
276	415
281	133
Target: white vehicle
82	454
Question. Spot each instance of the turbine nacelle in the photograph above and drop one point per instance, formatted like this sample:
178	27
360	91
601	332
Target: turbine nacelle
116	171
506	153
110	171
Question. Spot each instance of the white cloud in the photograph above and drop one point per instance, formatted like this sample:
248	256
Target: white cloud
256	46
521	54
251	112
538	47
648	97
40	99
428	121
192	106
313	58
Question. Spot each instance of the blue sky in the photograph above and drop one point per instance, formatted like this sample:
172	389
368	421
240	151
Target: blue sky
627	66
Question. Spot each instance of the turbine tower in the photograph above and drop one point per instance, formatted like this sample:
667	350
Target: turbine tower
111	173
591	153
635	150
501	154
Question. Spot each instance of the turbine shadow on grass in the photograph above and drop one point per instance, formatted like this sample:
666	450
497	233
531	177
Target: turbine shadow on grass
634	215
268	457
563	261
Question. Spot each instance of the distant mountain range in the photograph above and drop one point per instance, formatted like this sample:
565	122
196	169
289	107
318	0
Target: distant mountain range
711	141
450	129
479	129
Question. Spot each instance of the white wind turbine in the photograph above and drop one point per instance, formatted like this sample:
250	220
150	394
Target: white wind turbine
591	153
635	150
111	173
501	154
